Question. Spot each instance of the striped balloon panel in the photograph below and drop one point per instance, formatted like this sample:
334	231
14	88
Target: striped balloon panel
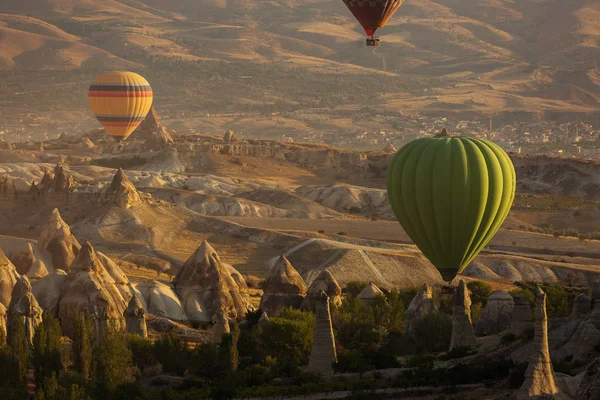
120	101
373	14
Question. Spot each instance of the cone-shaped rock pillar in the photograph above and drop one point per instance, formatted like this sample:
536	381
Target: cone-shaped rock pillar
323	353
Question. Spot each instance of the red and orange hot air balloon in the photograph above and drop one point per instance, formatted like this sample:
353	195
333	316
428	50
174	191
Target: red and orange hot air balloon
373	14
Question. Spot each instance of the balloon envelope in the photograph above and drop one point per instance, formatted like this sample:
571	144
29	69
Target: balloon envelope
451	194
373	14
120	100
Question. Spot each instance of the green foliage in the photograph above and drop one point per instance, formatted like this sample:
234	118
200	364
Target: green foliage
352	361
354	288
460	352
289	337
559	299
476	311
20	349
83	344
433	332
52	389
142	351
172	353
9	370
229	348
47	358
112	359
479	292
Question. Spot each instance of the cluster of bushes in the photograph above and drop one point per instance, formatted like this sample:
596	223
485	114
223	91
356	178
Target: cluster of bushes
547	229
559	298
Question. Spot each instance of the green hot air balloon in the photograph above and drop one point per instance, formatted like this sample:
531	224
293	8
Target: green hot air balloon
451	194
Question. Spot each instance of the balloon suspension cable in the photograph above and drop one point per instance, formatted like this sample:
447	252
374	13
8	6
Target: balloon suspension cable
443	133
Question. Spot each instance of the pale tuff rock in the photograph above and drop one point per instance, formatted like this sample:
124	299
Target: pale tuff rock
390	149
589	389
34	191
241	283
160	300
539	377
568	385
327	283
463	334
46	180
323	353
61	182
86	143
88	288
522	319
25	307
8	279
23	259
38	270
496	315
3	322
582	343
595	317
155	134
581	306
207	289
283	288
135	321
47	290
369	293
421	305
220	329
56	238
229	137
264	319
122	192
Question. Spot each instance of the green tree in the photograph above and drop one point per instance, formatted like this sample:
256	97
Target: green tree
47	360
289	337
83	344
20	349
10	379
142	351
112	359
229	348
433	332
172	353
479	292
354	288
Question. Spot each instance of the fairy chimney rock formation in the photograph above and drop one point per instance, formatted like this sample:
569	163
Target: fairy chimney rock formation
90	289
155	134
229	137
581	306
463	334
327	283
3	316
496	315
207	289
264	319
421	305
23	306
522	319
34	191
323	353
369	293
56	238
122	192
283	288
539	377
46	180
220	329
23	259
60	183
390	149
8	279
135	321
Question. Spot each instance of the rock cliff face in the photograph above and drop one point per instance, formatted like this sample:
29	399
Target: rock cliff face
522	319
421	305
328	158
8	279
589	388
497	314
539	377
463	334
323	353
89	288
56	239
135	321
326	283
122	192
156	136
207	289
283	288
24	307
160	300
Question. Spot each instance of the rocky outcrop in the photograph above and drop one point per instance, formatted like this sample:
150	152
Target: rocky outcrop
207	289
421	305
581	306
47	290
46	181
61	182
37	270
589	389
390	149
156	137
160	300
496	315
522	318
331	158
3	324
539	377
327	283
583	342
229	137
122	192
463	334
23	260
23	306
220	329
283	288
8	279
135	321
264	319
56	239
368	294
323	353
89	288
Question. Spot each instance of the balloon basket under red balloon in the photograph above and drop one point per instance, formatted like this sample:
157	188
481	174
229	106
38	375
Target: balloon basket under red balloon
373	41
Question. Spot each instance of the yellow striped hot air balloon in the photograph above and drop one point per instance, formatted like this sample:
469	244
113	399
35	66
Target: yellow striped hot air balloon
120	100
